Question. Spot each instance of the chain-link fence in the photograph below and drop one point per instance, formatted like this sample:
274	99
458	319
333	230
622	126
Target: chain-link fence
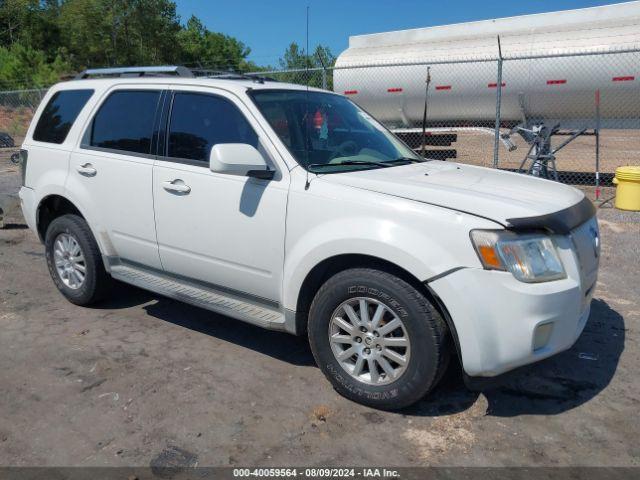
569	117
16	110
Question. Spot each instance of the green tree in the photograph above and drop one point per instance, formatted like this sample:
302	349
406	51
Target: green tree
31	23
86	32
205	49
120	32
24	67
43	39
295	58
14	15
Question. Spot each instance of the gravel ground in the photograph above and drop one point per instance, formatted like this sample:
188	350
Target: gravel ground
143	380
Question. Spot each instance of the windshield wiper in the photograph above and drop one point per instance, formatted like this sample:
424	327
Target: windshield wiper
406	159
349	162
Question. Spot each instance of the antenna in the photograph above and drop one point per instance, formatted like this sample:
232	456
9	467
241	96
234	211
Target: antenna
307	50
306	117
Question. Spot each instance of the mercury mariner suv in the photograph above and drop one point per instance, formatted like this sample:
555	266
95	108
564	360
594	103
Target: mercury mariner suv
293	209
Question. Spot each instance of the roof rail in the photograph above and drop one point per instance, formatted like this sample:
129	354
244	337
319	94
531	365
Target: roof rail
231	75
135	71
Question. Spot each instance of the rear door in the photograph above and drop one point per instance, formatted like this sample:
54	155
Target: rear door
224	230
111	171
51	139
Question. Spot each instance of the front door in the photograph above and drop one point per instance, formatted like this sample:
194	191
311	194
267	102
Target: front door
224	230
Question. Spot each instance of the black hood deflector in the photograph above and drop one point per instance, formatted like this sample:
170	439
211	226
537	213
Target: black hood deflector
560	222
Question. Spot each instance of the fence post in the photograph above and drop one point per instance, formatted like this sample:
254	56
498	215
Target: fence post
597	144
496	142
324	77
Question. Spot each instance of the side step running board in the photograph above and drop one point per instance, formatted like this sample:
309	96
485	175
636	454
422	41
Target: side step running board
216	301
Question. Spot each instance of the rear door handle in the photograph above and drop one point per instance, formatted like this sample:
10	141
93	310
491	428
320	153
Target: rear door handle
176	186
87	170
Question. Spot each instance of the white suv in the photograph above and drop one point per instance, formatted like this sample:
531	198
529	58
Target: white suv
292	209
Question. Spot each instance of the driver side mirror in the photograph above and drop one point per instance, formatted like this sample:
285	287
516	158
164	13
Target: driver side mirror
239	159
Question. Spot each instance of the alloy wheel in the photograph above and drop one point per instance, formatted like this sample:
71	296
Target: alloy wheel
69	261
369	341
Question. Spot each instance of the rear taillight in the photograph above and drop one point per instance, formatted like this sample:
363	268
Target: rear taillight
21	158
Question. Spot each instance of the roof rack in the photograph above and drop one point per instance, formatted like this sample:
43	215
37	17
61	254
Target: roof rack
231	75
178	71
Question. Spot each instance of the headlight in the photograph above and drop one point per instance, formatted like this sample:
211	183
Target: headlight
530	257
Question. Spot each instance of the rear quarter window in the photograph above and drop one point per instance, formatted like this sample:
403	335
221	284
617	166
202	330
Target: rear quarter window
59	114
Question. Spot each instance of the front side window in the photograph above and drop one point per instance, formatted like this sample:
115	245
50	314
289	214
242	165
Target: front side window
125	121
328	133
200	121
59	114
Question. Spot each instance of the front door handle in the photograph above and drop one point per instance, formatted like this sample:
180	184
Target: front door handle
87	170
176	186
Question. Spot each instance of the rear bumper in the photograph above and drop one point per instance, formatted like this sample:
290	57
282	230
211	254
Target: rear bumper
502	323
29	207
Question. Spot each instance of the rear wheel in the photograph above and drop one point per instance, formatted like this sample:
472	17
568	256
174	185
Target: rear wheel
74	260
377	338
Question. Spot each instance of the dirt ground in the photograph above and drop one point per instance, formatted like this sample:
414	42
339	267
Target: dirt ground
142	380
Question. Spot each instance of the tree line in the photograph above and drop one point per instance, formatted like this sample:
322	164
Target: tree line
42	41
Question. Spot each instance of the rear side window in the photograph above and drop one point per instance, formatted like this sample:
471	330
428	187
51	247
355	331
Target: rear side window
59	114
125	121
200	121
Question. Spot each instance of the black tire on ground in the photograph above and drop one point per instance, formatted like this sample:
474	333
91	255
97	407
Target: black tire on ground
425	328
97	281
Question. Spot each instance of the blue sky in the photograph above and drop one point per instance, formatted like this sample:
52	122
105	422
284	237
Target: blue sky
269	26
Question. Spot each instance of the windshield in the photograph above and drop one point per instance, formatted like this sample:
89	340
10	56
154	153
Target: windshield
327	133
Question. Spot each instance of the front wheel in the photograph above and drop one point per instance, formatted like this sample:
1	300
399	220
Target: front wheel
377	338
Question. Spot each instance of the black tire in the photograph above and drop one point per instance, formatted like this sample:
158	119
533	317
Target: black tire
97	282
425	328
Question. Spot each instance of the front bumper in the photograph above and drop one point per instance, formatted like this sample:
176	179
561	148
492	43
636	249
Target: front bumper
498	319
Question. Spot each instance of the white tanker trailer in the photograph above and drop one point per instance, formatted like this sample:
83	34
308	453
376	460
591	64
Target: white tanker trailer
385	73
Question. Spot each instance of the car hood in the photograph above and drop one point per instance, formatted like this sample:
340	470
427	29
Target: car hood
511	199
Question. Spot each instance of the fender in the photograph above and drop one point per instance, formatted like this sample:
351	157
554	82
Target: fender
91	213
398	242
37	197
52	190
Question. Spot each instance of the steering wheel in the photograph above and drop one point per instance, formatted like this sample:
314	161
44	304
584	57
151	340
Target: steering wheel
345	149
